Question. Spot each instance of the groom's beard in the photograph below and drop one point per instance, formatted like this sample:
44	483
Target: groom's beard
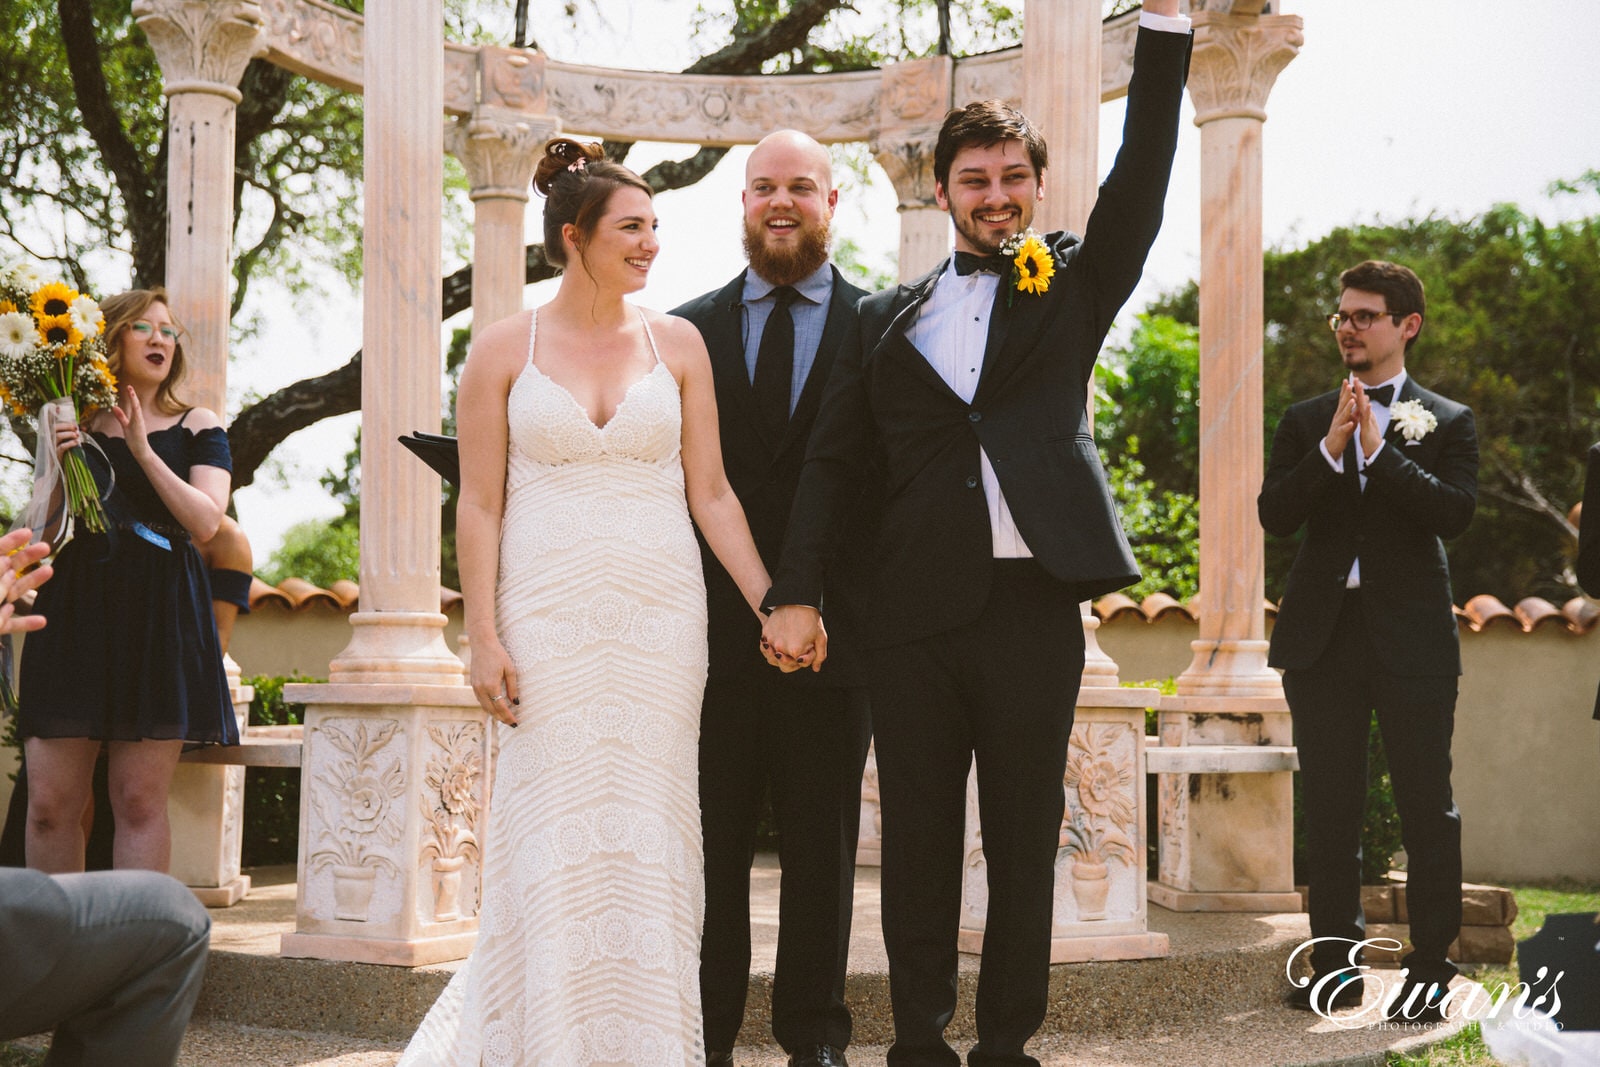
787	266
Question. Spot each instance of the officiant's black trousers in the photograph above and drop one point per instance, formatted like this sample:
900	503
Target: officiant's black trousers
998	691
1331	704
803	747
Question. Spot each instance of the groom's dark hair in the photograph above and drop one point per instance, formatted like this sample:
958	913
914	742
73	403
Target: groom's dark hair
982	124
1399	286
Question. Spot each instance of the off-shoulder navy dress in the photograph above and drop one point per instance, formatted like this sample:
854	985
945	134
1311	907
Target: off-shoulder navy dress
129	650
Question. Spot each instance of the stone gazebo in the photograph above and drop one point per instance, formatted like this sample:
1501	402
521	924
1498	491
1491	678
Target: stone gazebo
397	755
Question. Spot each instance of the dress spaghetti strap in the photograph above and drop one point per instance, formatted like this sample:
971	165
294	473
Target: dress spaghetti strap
533	327
648	336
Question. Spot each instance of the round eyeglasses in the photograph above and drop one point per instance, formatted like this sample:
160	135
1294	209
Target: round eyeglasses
143	330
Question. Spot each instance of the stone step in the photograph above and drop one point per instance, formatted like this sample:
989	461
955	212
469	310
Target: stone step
1215	999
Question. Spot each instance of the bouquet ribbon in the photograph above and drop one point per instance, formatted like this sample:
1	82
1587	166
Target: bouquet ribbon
50	477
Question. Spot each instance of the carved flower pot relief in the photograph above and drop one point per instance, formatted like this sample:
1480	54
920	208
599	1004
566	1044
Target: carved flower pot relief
1091	883
352	891
447	887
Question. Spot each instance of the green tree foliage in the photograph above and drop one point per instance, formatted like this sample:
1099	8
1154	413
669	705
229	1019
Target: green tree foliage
1513	330
322	551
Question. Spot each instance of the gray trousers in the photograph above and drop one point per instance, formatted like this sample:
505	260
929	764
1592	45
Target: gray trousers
126	952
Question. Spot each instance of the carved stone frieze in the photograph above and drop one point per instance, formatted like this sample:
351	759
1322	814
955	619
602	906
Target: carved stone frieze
499	149
1172	808
705	109
511	78
315	39
914	93
358	784
202	46
1101	826
1237	59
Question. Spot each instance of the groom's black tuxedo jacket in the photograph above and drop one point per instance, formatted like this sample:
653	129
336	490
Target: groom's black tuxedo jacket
764	480
933	564
1417	493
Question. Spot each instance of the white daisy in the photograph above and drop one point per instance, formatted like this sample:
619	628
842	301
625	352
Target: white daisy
85	315
16	334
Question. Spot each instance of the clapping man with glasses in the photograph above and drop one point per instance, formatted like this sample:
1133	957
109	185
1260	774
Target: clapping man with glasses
1376	473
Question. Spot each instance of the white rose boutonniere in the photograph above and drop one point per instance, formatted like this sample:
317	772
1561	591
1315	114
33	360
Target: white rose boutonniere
1413	420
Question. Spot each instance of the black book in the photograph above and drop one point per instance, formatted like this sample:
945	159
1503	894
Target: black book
438	451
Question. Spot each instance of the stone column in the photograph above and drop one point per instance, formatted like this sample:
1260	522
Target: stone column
914	98
1061	96
1226	837
499	145
396	755
203	50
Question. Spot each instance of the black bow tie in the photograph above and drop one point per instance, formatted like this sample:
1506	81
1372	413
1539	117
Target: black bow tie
970	262
1381	394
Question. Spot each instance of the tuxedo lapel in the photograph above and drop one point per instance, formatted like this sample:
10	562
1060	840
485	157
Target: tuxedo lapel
1014	322
902	314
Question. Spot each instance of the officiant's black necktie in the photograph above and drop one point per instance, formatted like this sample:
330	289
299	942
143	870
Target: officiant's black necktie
775	365
1381	394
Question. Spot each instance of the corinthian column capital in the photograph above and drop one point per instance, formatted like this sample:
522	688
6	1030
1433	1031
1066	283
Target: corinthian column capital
912	101
1237	59
203	47
907	157
499	149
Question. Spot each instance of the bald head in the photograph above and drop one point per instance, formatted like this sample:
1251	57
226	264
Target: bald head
788	203
789	152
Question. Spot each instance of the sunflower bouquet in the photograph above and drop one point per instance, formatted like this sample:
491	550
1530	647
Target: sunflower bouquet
53	363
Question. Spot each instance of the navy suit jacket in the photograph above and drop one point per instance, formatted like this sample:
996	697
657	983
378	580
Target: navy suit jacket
886	404
1417	493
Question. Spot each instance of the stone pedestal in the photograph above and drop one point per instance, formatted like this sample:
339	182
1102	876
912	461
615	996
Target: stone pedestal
912	104
395	792
1100	905
1226	835
206	808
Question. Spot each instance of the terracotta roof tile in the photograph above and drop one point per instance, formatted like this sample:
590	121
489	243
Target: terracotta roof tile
297	594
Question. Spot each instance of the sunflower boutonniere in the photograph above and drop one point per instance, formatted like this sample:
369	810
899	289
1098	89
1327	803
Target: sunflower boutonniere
1032	265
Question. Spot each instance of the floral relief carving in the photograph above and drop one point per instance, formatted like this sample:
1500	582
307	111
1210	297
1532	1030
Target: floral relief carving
1102	809
915	92
908	160
232	822
452	781
512	78
1172	800
355	801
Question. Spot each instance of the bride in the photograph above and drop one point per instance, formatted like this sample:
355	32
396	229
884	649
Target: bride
589	438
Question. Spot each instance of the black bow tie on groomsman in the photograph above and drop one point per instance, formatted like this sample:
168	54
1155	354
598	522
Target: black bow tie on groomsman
1381	394
970	263
775	366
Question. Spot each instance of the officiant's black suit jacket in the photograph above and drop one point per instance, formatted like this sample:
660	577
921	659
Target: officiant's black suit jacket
764	479
934	561
1417	493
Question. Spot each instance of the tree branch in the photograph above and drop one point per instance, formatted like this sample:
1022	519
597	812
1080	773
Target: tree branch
142	191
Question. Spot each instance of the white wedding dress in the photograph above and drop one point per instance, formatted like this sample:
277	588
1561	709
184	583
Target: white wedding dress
589	944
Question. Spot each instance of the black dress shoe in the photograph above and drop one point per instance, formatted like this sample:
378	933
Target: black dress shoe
819	1056
1418	1002
719	1059
1330	997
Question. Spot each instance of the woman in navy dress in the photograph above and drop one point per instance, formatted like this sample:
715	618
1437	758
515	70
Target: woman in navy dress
130	659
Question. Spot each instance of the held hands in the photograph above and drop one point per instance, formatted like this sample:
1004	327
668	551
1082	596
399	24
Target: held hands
793	637
69	435
14	584
494	679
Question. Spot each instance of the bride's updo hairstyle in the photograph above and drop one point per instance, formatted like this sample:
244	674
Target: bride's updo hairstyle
577	181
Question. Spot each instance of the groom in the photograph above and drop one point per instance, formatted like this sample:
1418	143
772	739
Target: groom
1376	474
970	392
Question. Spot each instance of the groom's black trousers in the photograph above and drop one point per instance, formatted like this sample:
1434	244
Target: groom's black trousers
1331	703
999	690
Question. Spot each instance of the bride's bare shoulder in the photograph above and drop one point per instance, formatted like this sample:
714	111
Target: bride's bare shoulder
503	344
